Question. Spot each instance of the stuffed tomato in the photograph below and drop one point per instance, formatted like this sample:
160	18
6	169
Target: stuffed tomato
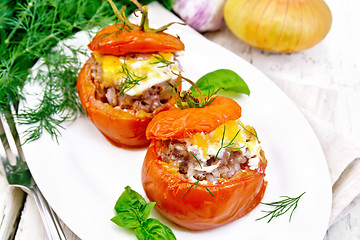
124	84
204	168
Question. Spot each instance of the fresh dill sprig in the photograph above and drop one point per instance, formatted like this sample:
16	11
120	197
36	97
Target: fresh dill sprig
29	31
130	80
160	59
254	134
196	184
228	145
59	101
196	158
281	207
209	191
185	99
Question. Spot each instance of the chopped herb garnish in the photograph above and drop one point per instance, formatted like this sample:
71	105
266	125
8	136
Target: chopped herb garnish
254	134
281	207
195	183
196	158
185	99
209	191
160	59
228	145
130	80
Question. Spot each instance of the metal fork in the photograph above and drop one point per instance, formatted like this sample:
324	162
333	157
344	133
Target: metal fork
18	175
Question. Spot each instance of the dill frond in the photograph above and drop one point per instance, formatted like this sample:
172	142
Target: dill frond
196	158
29	31
281	207
250	132
160	59
59	101
130	80
222	146
195	183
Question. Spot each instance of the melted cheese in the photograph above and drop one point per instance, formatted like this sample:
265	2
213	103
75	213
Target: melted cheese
147	67
235	132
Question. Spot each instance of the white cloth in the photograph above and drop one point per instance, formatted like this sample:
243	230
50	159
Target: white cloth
316	103
342	156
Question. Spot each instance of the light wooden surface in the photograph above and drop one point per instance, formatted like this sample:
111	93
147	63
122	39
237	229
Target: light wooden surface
332	67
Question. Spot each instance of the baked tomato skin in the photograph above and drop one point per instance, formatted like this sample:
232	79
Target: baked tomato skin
116	40
198	209
121	128
182	124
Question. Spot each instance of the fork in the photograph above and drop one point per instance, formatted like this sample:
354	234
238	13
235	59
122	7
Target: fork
18	175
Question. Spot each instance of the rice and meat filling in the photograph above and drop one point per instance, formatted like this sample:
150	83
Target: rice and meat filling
128	82
218	164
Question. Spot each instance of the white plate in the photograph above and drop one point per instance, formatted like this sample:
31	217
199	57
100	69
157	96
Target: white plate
83	175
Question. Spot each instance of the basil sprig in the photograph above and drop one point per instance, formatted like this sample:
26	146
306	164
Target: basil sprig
223	79
132	211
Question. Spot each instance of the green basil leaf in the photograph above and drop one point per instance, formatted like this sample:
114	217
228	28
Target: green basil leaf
224	79
154	229
129	199
146	210
127	219
133	212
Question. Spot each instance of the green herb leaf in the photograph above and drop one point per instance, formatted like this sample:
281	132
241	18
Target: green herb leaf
146	210
224	79
154	229
127	219
133	212
129	199
281	207
29	30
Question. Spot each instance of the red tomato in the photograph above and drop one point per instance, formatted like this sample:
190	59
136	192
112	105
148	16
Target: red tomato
163	184
198	209
119	127
182	124
114	41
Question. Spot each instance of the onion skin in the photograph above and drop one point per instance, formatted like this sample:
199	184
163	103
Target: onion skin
202	15
279	25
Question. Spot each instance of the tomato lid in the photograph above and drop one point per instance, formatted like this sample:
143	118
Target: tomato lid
182	124
119	40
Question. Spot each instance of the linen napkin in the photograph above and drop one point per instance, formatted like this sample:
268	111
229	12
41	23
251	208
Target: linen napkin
343	157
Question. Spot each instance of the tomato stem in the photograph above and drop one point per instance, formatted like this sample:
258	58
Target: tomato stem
121	16
144	24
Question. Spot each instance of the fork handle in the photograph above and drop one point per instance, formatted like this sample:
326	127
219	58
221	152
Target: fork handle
50	220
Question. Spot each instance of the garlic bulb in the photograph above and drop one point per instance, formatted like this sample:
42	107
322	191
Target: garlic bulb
278	25
202	15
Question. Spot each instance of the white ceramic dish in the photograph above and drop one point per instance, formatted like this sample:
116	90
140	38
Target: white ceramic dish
83	175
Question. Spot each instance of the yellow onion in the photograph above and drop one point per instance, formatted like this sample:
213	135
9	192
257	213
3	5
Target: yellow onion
278	25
